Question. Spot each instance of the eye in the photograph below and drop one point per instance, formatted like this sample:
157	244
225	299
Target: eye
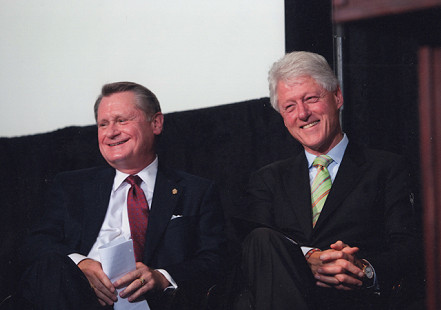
102	124
121	120
290	107
312	99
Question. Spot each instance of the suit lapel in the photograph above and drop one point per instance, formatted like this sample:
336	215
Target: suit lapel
351	170
165	197
97	191
297	187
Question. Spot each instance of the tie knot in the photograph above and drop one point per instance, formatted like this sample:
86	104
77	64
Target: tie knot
322	160
133	179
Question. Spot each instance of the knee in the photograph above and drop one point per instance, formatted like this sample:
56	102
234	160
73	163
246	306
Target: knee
49	265
261	234
52	259
260	238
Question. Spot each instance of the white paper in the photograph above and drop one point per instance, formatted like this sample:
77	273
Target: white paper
117	259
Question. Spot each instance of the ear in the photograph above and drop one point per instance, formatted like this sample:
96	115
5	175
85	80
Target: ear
338	97
157	123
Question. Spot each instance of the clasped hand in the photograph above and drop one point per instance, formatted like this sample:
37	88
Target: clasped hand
337	267
137	282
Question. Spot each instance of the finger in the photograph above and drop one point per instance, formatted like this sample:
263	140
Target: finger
103	288
349	267
340	282
350	250
104	294
144	288
347	280
97	278
329	280
152	282
135	285
131	276
106	285
330	270
127	279
345	288
140	265
341	266
321	284
354	270
331	255
136	289
339	245
347	254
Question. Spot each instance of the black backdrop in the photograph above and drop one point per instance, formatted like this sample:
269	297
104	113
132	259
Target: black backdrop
380	65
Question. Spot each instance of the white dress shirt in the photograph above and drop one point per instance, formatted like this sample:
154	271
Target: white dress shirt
116	222
336	154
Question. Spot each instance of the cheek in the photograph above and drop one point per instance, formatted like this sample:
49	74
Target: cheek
100	139
288	120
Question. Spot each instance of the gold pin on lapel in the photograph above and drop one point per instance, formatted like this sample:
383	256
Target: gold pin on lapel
174	191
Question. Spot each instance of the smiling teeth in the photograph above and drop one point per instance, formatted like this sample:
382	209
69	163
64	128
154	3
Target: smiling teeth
115	144
310	125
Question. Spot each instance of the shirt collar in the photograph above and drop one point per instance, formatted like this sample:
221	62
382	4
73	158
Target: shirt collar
336	153
148	175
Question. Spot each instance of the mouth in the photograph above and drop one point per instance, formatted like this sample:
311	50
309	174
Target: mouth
310	125
118	143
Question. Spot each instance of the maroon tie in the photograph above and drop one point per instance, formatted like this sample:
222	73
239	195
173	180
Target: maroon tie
138	211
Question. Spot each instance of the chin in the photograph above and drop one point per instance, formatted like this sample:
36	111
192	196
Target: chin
312	144
114	160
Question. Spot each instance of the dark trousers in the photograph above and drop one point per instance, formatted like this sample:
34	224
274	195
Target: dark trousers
277	277
55	282
276	273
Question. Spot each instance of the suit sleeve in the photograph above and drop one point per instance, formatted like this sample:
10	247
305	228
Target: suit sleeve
257	204
397	256
48	235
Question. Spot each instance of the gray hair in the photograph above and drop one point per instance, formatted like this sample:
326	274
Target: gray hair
146	101
296	64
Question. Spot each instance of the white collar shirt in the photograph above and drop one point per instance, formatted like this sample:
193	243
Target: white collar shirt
116	222
336	154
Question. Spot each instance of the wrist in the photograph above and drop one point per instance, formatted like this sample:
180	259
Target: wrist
368	272
310	252
162	279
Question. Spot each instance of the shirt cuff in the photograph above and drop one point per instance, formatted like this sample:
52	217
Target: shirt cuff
77	258
169	278
305	249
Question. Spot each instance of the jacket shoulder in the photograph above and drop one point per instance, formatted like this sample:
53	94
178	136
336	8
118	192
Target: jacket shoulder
182	177
92	173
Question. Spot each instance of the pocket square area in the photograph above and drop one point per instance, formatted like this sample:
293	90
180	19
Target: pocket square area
174	216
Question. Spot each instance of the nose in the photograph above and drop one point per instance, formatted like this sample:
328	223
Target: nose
303	111
112	130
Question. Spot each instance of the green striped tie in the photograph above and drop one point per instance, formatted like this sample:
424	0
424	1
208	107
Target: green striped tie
320	186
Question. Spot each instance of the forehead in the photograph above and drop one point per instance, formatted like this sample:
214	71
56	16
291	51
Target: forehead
302	83
118	103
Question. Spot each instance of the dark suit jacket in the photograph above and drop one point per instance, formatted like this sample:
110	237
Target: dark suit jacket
368	207
188	247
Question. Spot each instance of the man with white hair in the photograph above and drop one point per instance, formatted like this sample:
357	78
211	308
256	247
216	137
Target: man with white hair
333	226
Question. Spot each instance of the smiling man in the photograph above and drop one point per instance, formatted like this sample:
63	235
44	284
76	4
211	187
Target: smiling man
173	218
330	228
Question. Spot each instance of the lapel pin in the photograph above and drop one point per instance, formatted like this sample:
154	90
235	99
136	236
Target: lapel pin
174	191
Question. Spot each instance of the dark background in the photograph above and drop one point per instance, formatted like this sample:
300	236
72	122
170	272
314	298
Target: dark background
380	63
